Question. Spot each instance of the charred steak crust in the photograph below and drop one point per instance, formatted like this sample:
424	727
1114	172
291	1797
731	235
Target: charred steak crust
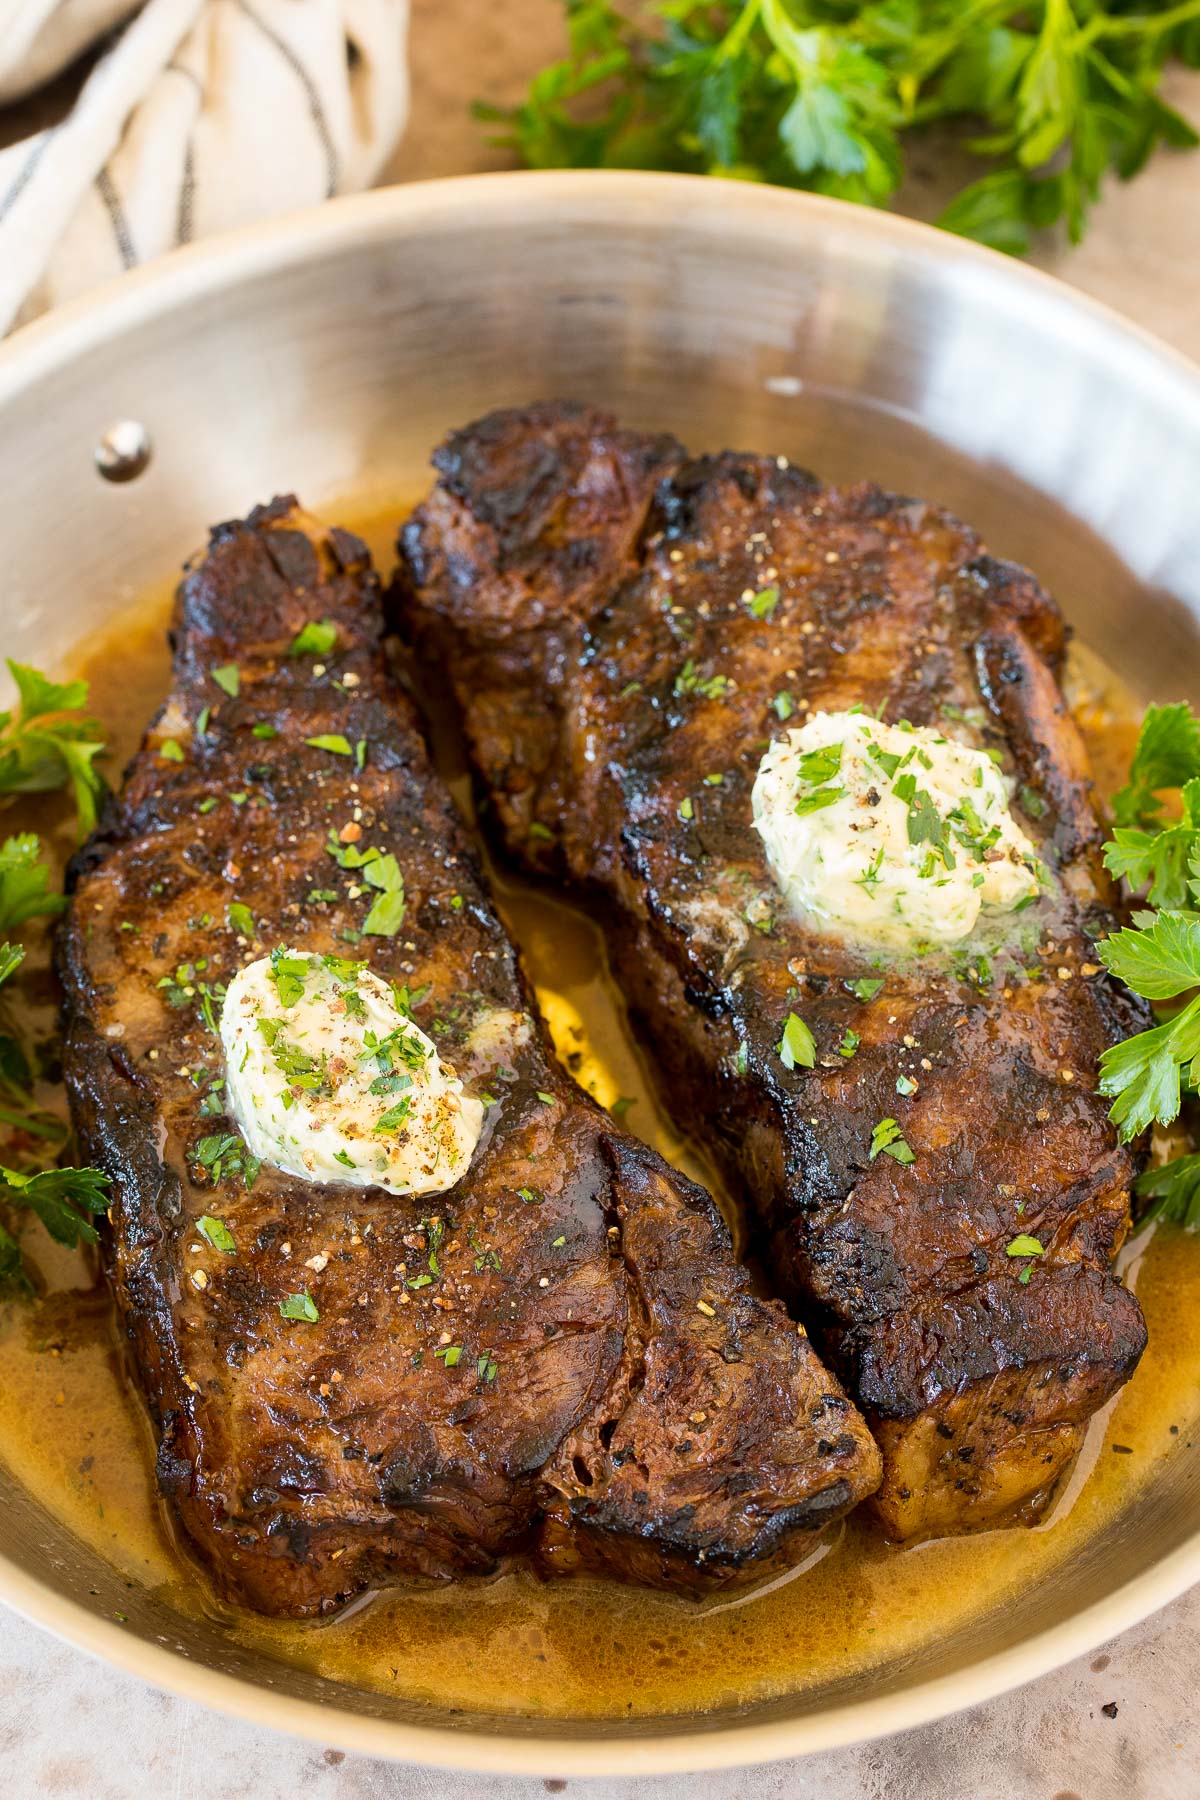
569	1361
586	589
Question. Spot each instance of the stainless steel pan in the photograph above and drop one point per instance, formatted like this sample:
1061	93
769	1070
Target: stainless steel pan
327	354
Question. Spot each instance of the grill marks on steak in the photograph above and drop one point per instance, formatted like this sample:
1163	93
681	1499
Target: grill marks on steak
586	589
544	1378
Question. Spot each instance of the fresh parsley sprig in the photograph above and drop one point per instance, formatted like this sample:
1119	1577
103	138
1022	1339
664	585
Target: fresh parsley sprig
25	891
48	741
821	94
1158	955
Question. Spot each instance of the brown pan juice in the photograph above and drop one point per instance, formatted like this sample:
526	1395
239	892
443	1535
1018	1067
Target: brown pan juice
75	1435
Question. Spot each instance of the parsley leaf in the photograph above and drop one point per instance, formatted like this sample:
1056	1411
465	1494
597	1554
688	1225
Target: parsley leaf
1174	1189
823	97
1158	961
387	913
1167	756
24	882
317	638
300	1307
218	1234
46	745
796	1047
62	1199
887	1140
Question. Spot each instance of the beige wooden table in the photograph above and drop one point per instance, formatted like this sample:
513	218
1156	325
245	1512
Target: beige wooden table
69	1727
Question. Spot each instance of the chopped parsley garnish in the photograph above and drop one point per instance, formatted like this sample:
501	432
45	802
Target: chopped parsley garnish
816	766
541	833
887	1140
762	605
818	799
303	1072
240	917
396	1116
796	1048
346	1160
301	1307
380	872
864	987
317	638
407	998
218	1234
886	760
170	750
332	741
228	679
487	1366
435	1230
546	1099
687	809
710	687
289	974
226	1154
264	730
387	911
905	1085
872	874
783	706
925	823
849	1044
449	1354
1023	1245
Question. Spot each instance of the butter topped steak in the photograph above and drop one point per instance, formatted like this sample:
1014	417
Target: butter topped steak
941	1194
557	1356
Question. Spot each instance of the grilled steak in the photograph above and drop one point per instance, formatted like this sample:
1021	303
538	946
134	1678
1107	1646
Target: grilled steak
557	1356
586	589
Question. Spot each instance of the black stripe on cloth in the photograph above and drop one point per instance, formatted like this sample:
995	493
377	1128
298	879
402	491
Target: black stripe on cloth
116	212
187	194
184	218
314	99
25	173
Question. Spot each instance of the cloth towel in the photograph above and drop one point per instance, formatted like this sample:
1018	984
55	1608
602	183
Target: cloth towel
198	116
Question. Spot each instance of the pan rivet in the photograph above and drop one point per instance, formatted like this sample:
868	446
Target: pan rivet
123	451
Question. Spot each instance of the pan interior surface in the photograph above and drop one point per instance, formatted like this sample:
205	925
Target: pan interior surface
327	356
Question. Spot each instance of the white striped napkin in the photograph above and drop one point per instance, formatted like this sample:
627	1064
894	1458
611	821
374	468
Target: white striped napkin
200	115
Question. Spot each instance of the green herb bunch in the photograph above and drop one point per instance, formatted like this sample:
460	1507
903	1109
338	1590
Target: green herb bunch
1158	953
822	94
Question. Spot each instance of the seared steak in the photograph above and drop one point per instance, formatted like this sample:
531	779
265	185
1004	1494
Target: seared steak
589	592
558	1355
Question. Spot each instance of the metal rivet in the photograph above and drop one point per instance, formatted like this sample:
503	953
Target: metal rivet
124	451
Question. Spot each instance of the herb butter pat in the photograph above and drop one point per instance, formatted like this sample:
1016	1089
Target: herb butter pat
890	832
328	1079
